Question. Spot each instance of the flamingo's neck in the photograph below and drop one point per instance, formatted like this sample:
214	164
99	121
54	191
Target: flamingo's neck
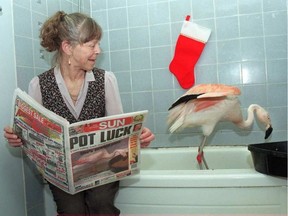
250	118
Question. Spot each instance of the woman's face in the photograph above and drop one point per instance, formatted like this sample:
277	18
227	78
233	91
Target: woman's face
84	55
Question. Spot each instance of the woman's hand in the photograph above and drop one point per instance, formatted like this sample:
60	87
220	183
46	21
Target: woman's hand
146	137
11	137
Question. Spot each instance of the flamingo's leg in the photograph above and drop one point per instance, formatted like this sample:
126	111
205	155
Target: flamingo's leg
200	156
205	162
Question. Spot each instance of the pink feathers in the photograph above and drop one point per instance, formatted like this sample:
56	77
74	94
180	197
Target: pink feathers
217	89
205	105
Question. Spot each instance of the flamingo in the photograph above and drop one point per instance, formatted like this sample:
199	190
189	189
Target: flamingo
205	105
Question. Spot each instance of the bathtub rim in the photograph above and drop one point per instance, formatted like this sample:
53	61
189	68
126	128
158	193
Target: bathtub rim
203	178
247	177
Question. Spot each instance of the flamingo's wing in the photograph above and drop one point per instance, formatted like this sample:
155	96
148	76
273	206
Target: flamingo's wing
184	99
213	94
200	105
205	88
182	114
207	91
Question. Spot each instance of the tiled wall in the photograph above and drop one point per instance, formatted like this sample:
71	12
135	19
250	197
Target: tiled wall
11	166
29	15
247	48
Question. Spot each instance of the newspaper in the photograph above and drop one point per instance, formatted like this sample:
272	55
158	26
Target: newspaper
82	155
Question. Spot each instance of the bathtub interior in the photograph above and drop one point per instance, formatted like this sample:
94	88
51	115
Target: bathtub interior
217	157
170	182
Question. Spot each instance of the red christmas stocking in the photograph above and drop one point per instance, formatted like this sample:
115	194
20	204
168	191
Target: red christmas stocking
189	47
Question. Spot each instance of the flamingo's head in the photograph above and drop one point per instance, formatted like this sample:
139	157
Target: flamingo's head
264	118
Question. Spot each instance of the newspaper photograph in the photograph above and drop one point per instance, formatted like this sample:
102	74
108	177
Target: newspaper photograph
82	155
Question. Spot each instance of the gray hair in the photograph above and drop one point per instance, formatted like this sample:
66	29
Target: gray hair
76	28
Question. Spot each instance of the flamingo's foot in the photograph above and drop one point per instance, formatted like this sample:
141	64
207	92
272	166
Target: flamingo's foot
200	157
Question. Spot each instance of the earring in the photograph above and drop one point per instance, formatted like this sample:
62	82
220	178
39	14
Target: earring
69	62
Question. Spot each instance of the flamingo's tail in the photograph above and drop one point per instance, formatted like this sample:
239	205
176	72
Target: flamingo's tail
177	124
176	117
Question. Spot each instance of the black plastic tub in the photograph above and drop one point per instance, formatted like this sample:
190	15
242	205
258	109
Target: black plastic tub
270	158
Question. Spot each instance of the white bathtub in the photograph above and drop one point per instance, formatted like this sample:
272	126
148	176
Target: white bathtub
170	182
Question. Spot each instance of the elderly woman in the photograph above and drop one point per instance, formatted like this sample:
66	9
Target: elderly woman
76	90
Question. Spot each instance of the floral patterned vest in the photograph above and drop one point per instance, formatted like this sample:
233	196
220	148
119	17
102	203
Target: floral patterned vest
94	105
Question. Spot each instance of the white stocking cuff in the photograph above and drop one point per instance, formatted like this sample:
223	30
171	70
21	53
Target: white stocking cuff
195	31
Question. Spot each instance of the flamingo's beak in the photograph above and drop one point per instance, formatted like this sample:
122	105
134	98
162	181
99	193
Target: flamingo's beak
268	131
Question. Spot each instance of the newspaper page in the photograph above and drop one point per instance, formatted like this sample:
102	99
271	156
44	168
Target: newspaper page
82	155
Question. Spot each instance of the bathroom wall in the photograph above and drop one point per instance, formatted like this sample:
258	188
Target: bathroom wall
12	197
247	48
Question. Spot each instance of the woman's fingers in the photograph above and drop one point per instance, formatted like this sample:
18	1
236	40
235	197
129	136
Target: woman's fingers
146	137
11	137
